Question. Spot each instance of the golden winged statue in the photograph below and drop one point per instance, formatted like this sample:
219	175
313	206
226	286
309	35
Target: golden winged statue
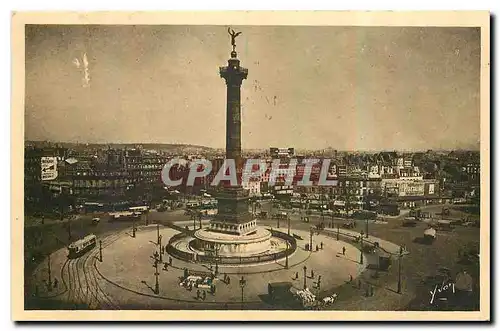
233	35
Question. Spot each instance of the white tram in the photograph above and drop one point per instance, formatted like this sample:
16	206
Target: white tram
81	246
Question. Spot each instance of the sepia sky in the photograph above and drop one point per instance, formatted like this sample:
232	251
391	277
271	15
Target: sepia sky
349	88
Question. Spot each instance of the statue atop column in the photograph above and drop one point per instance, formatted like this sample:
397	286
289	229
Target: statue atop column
233	35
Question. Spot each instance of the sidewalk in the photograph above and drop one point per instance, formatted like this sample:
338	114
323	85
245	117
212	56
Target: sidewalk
31	221
385	245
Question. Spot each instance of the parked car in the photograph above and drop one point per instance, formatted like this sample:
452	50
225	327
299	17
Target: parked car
409	222
369	249
349	225
262	215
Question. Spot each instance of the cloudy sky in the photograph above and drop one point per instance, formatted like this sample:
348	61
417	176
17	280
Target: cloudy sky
350	88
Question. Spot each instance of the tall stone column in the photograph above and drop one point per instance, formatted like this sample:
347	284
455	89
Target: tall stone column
233	215
234	75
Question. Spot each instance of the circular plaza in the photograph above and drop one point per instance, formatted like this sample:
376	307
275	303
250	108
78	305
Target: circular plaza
137	271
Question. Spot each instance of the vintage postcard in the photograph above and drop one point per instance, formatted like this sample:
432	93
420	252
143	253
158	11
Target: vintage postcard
243	165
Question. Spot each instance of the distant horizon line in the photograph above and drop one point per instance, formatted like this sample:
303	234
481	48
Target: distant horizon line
256	148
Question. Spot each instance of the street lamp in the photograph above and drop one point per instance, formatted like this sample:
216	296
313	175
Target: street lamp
318	285
311	239
49	285
216	260
69	228
159	244
158	233
305	277
361	253
288	225
133	228
157	285
286	255
243	283
100	250
399	268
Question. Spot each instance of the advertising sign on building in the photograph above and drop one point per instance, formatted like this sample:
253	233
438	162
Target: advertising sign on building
281	152
411	189
49	168
431	188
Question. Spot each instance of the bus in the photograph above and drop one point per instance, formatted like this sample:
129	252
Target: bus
192	204
92	207
139	209
389	209
124	216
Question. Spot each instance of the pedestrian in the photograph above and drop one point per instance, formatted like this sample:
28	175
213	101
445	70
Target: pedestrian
170	260
312	273
55	282
165	266
321	245
197	294
317	248
343	250
296	275
228	280
319	278
225	278
204	295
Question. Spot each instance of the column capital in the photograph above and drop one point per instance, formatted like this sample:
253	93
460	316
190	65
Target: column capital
233	76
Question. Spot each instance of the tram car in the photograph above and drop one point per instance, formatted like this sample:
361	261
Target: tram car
81	246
